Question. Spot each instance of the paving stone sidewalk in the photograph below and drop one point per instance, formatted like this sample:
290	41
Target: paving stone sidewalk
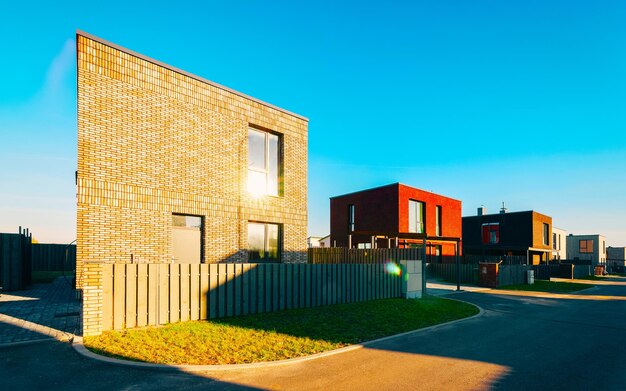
44	311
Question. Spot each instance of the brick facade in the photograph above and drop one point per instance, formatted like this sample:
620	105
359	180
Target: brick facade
153	141
519	233
384	211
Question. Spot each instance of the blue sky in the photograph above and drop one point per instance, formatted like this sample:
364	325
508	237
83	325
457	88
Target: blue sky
484	101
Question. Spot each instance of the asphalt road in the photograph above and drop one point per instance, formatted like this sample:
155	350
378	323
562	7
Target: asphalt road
573	342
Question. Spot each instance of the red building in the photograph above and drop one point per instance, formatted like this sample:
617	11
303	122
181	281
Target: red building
397	216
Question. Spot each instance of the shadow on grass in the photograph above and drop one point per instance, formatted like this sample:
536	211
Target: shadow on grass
356	322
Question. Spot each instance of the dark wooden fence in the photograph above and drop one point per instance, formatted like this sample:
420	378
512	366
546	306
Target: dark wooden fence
512	274
151	294
561	270
447	272
54	257
15	260
339	255
582	271
506	259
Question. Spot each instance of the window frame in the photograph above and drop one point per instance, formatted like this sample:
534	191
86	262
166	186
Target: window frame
587	249
422	221
266	239
351	218
267	134
546	234
438	218
202	230
492	230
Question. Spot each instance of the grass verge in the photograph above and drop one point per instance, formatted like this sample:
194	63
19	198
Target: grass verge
548	286
278	335
48	277
593	278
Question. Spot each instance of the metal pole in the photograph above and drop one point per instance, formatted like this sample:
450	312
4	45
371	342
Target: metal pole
424	267
458	266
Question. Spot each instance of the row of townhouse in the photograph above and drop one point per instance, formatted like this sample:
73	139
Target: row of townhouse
175	168
397	215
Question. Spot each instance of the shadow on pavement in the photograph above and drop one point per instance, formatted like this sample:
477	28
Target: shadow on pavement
56	366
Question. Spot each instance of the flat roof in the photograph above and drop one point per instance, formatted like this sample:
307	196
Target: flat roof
191	75
507	213
391	185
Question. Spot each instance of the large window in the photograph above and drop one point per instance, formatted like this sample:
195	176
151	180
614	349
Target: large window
585	246
263	163
264	242
350	218
416	216
438	221
546	234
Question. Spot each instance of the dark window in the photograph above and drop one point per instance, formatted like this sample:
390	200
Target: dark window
438	221
491	233
554	242
264	240
350	218
585	246
546	234
264	163
416	216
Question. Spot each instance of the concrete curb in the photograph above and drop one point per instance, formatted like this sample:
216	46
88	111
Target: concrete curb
66	338
80	348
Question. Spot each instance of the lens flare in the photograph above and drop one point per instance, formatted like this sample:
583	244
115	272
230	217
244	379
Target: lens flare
393	268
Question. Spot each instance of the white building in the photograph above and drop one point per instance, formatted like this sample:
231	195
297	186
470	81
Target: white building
559	243
318	241
587	247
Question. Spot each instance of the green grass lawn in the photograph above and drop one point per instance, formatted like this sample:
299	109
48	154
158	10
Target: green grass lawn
277	335
548	286
47	277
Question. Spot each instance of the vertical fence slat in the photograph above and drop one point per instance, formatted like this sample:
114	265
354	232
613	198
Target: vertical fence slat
214	282
254	294
107	296
275	286
194	291
238	286
119	296
264	291
142	295
289	284
152	294
163	289
245	289
302	286
174	292
184	292
230	289
221	290
204	291
282	287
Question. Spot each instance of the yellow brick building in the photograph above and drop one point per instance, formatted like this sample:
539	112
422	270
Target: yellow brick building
175	168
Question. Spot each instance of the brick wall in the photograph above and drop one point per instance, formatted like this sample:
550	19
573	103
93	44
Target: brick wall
153	141
385	211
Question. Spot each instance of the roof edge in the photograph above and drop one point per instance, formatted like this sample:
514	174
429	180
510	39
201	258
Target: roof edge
188	74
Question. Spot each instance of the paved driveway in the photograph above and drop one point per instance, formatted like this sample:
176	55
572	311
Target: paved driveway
570	342
44	311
